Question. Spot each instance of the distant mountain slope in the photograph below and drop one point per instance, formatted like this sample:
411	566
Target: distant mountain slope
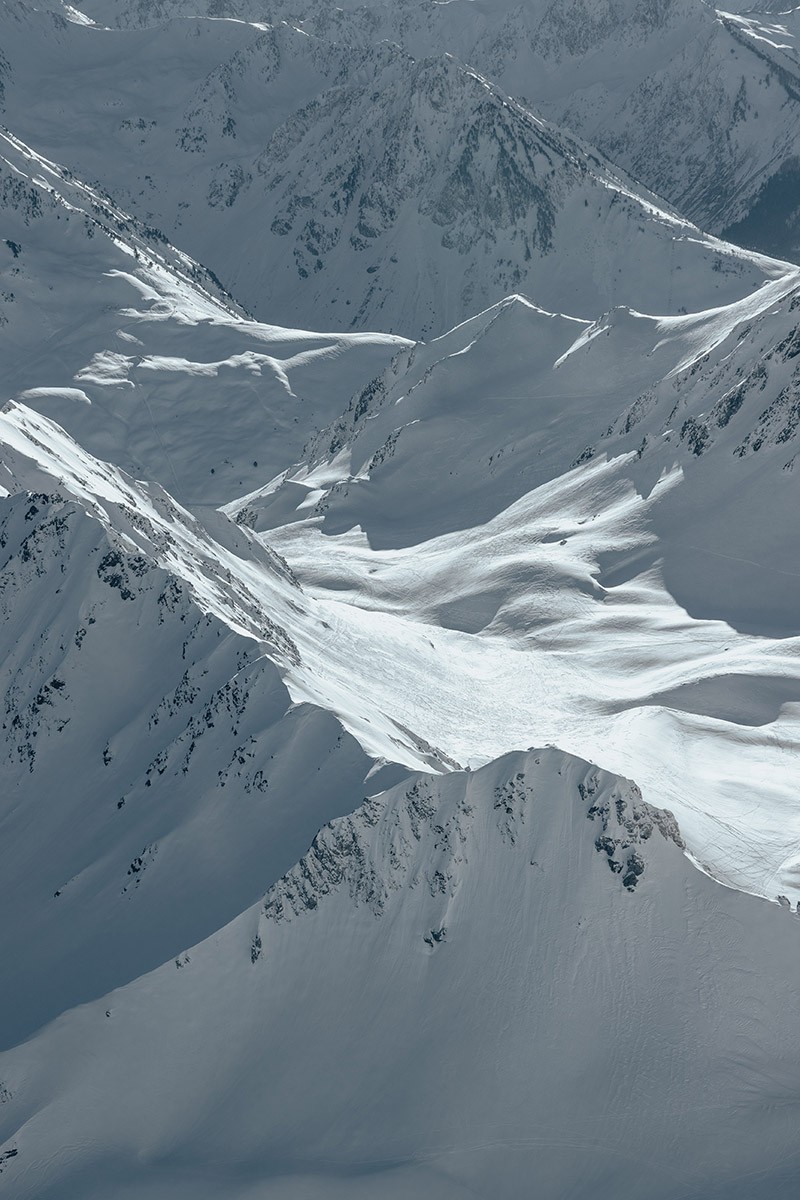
133	347
451	994
330	185
699	105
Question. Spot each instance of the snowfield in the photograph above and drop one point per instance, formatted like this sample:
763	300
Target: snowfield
400	729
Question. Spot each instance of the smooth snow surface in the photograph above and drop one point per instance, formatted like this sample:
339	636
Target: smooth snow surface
451	995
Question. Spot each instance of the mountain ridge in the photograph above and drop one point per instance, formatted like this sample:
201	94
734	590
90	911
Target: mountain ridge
330	659
624	76
640	964
381	190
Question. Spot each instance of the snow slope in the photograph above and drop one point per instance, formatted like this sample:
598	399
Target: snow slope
354	187
698	104
617	577
451	995
295	906
142	737
131	345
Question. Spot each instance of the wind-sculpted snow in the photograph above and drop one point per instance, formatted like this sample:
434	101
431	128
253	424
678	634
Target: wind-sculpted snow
452	993
145	361
492	521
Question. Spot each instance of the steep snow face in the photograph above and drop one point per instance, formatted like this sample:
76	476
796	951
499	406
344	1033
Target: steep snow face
155	769
487	522
356	187
63	239
470	984
132	347
701	105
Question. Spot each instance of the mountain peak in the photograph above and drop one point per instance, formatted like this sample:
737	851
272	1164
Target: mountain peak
435	827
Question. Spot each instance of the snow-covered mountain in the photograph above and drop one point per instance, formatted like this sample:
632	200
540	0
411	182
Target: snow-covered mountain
169	383
618	576
110	331
698	103
185	753
328	660
451	995
354	187
576	453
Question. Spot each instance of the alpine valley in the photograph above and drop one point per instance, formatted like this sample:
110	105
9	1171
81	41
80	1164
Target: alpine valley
399	600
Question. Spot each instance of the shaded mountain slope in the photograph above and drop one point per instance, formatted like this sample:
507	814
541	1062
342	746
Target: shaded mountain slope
333	185
508	1011
147	734
699	104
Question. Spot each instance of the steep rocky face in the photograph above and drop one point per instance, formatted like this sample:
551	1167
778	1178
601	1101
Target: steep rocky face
391	841
496	201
